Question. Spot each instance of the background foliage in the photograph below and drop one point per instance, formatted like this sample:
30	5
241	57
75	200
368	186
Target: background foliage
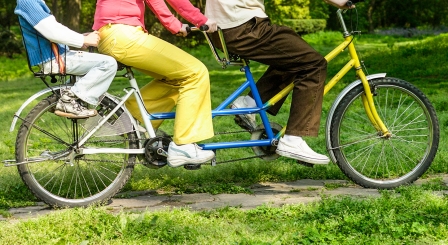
373	14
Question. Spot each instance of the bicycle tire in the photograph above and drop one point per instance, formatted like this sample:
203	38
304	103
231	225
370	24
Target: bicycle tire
89	179
373	161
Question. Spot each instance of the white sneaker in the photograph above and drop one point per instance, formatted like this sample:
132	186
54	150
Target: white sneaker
301	151
248	120
179	155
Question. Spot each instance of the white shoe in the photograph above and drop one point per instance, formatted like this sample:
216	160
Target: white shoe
248	120
301	151
179	155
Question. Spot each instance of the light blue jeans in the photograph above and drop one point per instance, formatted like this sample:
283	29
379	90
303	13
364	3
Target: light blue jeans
95	73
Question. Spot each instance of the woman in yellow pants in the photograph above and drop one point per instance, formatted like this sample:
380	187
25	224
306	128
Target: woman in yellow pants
179	79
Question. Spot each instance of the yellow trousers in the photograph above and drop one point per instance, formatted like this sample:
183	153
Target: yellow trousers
180	80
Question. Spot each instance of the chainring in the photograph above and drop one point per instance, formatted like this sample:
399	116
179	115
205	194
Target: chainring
153	148
266	153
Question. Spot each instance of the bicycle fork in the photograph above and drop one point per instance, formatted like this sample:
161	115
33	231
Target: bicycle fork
367	97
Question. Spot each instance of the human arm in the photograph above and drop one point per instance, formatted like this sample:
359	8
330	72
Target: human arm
184	8
91	39
38	15
58	33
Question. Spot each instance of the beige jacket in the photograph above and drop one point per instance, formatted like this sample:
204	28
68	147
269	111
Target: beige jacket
232	13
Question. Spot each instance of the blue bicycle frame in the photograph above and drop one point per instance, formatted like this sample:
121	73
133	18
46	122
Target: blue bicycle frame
222	109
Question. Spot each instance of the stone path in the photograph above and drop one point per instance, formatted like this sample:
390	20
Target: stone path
274	194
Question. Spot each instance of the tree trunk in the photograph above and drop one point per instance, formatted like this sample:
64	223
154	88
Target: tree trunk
370	17
55	9
72	13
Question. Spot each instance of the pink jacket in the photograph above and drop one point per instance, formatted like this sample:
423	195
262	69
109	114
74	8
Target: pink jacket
131	12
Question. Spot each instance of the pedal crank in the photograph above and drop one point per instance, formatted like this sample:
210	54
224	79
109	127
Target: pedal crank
156	151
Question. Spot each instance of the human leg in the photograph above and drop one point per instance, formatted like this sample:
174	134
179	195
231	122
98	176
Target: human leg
180	76
95	73
179	80
290	59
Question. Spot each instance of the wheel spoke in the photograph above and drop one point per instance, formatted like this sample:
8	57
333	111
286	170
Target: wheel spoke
83	180
385	162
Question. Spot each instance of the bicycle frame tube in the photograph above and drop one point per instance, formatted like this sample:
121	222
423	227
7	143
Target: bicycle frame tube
354	62
105	118
221	110
138	98
367	97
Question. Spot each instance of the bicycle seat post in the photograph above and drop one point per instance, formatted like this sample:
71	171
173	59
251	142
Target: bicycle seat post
138	98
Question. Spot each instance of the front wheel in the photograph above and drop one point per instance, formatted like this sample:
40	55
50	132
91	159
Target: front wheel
371	160
45	147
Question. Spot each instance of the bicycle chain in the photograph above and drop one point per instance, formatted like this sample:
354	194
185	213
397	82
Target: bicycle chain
124	140
108	161
217	133
148	163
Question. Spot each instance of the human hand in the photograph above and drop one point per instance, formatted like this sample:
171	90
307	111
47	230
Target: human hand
183	31
91	39
342	4
212	25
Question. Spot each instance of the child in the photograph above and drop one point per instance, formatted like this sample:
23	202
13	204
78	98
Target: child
46	42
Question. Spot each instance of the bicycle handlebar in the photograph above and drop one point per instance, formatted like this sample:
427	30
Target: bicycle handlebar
193	28
351	2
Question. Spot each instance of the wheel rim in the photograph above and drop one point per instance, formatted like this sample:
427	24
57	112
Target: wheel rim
86	179
387	161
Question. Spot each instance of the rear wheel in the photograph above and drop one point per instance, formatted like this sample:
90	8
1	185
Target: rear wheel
45	142
371	160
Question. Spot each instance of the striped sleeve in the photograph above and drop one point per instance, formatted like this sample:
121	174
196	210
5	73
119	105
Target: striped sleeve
33	11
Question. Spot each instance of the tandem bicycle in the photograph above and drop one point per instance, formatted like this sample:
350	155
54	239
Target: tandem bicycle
382	132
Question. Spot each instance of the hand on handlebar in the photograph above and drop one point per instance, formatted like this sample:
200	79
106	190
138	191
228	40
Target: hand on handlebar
209	26
342	4
212	25
183	32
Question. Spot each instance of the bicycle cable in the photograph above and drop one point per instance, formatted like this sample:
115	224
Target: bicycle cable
354	30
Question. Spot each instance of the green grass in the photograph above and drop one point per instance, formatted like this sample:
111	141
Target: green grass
408	215
415	215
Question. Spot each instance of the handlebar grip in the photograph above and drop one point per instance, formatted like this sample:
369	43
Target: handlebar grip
204	28
193	28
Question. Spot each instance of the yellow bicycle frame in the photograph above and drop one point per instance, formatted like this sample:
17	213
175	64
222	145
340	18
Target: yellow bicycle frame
367	97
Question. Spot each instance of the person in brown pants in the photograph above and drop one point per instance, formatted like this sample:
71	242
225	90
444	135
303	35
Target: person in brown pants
249	33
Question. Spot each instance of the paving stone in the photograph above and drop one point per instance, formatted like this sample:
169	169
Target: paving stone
273	194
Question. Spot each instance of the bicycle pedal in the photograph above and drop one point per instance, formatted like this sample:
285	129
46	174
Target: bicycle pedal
192	166
309	165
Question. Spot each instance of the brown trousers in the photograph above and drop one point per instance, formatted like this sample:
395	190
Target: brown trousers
290	58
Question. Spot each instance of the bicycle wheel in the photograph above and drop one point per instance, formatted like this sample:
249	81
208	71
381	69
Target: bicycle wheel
46	140
373	161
